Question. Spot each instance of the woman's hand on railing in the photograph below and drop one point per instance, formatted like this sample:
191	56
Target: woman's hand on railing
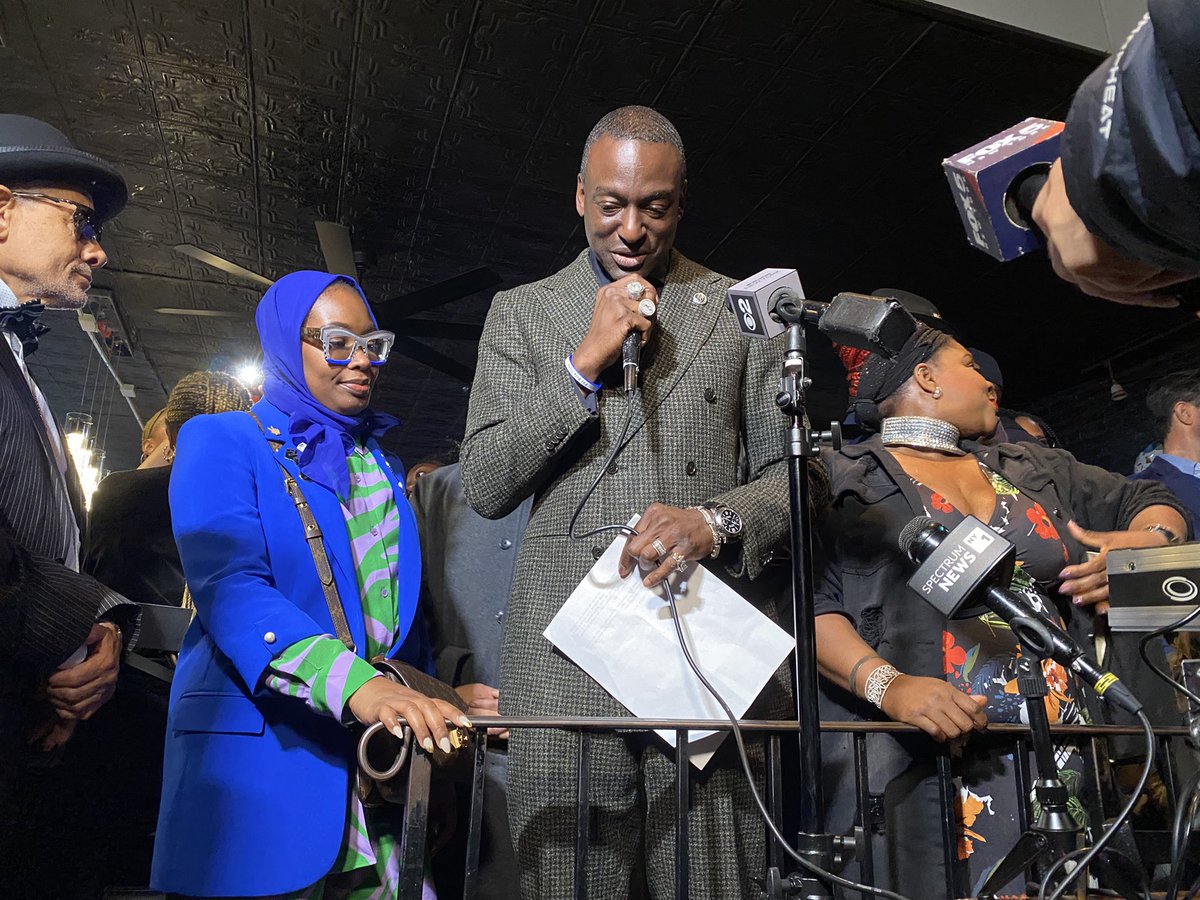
383	700
936	707
482	700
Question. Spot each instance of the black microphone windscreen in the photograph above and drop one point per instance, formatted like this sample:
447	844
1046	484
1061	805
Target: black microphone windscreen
912	530
878	324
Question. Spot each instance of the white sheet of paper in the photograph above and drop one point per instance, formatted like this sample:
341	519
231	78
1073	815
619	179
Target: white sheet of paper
621	634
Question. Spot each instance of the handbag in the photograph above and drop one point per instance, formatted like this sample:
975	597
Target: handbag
382	757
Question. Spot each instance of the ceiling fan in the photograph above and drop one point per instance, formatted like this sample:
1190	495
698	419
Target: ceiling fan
393	313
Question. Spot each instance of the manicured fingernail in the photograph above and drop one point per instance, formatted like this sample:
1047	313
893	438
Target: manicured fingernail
444	743
465	722
398	731
428	745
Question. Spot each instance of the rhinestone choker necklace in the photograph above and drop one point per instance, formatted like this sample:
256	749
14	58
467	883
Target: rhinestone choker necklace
922	434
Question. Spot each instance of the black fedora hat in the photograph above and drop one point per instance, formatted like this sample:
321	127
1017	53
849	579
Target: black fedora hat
31	150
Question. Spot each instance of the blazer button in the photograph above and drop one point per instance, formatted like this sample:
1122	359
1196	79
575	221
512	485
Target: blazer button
597	552
710	395
551	446
691	467
269	637
612	469
505	543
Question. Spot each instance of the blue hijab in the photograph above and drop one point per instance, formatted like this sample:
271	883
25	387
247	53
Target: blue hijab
323	437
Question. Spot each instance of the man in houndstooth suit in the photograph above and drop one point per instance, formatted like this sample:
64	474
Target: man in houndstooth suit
546	408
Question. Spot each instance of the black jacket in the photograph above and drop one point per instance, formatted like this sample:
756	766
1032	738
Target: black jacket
1131	149
864	576
130	546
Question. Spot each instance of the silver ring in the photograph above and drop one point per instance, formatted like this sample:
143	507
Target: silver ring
680	561
635	289
647	307
660	548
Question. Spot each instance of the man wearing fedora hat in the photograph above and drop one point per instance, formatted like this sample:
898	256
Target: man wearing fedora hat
61	632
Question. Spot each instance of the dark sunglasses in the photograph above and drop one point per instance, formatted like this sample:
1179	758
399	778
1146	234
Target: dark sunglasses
87	223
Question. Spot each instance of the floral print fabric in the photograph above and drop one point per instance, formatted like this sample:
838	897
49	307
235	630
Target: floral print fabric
980	658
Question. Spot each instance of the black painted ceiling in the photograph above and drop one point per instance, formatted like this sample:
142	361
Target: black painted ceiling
447	136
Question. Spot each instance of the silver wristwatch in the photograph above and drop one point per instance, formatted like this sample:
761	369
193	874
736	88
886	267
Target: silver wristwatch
726	521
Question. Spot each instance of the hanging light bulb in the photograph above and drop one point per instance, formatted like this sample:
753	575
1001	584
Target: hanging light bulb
1115	389
85	457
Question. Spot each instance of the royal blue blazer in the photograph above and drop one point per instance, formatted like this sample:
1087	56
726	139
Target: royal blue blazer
255	784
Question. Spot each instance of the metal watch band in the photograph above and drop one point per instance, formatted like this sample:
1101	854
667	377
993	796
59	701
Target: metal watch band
1172	537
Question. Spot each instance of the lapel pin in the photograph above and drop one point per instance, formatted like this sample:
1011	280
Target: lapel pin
273	429
699	298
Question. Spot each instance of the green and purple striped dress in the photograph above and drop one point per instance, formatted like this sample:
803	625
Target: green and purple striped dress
321	672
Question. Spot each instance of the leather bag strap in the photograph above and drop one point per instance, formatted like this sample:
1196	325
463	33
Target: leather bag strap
316	546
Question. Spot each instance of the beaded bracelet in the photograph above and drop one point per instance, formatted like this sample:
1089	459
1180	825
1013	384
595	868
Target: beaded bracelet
878	682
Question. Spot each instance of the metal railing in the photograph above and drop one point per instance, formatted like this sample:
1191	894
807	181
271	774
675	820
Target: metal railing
1016	736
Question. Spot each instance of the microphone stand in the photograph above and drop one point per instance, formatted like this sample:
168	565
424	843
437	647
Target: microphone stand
802	443
1055	833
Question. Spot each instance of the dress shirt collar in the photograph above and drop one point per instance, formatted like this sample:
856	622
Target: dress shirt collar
8	300
1186	466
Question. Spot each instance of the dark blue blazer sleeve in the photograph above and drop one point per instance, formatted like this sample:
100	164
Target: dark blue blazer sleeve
1131	148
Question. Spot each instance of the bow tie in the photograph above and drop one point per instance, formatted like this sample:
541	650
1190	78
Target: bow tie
23	322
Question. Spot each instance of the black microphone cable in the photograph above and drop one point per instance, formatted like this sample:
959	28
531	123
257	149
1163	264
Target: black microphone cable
733	720
1186	808
1085	855
741	747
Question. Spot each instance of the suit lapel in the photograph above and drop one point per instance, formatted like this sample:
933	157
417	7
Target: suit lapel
568	297
684	326
10	366
74	494
327	510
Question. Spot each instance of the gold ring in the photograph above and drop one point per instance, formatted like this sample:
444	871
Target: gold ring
659	547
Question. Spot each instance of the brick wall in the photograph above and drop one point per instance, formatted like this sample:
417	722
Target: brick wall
1109	434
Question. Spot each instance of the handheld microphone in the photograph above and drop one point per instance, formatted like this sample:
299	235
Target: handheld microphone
631	355
766	303
963	572
996	182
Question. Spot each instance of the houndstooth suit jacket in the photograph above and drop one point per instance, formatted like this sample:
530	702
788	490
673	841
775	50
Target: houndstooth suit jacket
705	427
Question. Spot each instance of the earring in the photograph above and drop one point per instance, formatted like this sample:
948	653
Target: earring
937	393
169	455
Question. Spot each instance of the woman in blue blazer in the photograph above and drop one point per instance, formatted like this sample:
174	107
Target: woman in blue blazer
257	740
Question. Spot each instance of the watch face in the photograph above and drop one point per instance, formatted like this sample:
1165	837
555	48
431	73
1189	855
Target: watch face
731	522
